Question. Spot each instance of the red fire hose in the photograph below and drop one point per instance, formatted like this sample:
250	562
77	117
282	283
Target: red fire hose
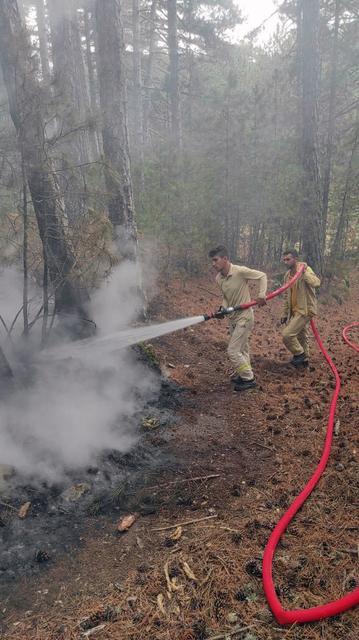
351	344
284	616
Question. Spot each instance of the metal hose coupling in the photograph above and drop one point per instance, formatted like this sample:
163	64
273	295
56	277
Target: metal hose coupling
220	313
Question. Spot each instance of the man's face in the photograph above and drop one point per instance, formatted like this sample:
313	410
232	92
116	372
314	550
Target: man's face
219	263
289	260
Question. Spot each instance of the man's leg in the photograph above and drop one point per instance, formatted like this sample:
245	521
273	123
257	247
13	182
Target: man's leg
303	338
238	348
295	335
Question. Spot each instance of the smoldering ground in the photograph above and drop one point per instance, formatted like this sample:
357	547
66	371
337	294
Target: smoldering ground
73	432
68	410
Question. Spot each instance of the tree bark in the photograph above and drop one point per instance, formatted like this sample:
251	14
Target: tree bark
312	226
112	83
92	80
6	374
43	41
148	72
72	104
137	89
331	115
174	73
339	239
90	59
26	108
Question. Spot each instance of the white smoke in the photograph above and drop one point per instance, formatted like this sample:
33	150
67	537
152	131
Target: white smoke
11	283
73	409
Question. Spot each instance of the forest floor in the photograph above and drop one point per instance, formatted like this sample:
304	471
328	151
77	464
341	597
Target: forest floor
241	459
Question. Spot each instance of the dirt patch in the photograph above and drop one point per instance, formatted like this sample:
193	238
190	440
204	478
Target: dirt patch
236	461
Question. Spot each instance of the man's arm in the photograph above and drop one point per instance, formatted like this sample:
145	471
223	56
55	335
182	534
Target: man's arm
224	301
253	274
310	278
285	307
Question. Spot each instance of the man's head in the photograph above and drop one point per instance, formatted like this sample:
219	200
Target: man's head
290	257
220	259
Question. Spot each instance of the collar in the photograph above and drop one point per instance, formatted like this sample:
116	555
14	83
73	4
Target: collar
230	272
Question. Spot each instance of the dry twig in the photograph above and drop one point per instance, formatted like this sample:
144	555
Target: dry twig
183	524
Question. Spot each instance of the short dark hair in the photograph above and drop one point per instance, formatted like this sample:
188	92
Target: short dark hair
293	252
218	251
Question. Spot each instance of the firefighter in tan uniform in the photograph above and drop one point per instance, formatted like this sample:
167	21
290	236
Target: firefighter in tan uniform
300	306
233	281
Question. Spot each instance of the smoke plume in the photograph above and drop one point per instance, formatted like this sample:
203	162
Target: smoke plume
72	409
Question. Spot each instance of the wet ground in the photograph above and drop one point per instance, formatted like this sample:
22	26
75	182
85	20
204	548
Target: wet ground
59	515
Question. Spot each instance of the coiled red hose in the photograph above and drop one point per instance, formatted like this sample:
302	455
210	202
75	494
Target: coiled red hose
351	344
350	600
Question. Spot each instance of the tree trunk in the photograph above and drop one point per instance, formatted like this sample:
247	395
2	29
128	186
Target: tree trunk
22	12
92	80
339	239
174	73
5	375
312	225
89	59
26	108
226	209
148	71
72	102
112	83
43	41
331	116
137	89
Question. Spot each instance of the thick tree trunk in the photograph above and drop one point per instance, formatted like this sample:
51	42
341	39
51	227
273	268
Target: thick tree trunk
73	104
137	89
43	41
174	73
148	71
92	81
110	60
26	108
312	228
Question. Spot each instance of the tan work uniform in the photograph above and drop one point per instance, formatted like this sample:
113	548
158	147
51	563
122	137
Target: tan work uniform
234	287
300	306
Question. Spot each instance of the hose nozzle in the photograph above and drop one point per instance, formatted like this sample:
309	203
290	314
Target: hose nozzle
220	313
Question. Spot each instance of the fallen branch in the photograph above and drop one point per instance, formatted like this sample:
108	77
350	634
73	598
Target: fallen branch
264	446
8	506
183	524
181	480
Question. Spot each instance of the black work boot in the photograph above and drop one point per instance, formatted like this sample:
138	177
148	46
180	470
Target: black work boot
236	379
300	361
243	385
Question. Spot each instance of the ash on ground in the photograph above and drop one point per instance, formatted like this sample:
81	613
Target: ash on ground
59	515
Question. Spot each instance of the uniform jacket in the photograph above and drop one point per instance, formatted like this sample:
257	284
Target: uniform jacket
301	298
